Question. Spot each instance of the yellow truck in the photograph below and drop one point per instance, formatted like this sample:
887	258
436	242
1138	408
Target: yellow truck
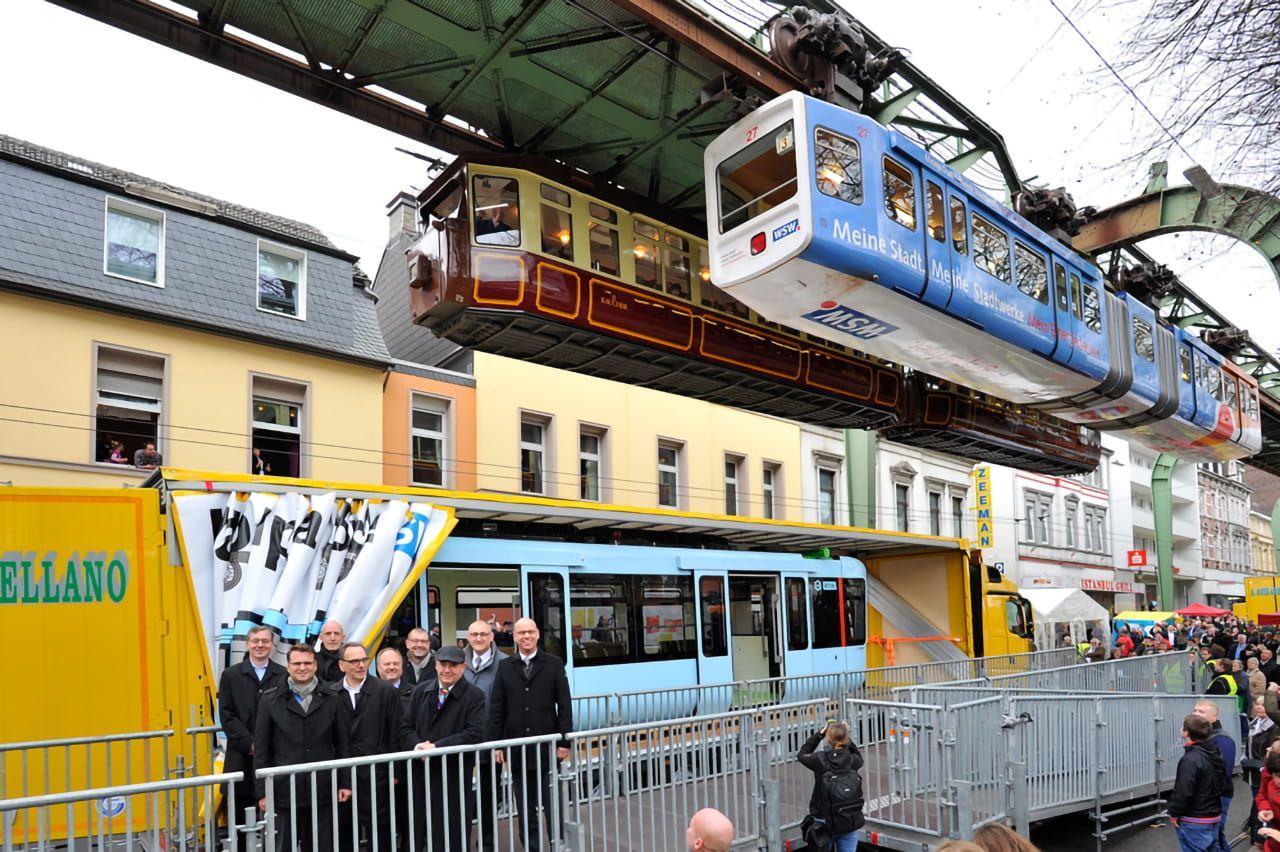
1261	600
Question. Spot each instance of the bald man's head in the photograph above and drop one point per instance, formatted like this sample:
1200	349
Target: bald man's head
709	831
527	634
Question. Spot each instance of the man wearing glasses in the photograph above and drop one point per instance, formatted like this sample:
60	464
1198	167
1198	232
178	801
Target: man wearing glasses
239	690
371	711
481	671
298	723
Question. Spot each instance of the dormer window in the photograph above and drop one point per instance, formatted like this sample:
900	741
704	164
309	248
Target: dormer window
134	245
282	280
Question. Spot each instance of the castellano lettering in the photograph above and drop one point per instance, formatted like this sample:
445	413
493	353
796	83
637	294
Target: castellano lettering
28	578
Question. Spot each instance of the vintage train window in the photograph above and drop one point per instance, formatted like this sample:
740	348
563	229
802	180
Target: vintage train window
710	295
557	223
447	206
959	239
828	632
1092	309
758	178
1060	288
546	607
990	249
601	620
837	166
676	266
1033	274
602	239
1076	307
495	203
1184	362
646	254
855	611
1143	343
935	218
797	614
666	618
899	194
711	597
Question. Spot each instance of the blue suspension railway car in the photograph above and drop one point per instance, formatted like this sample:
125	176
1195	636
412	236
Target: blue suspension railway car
824	220
526	258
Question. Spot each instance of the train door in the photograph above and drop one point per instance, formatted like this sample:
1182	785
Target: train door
1063	321
937	247
853	581
827	623
797	658
753	626
544	598
715	665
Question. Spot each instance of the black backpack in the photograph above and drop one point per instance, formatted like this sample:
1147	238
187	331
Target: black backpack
842	798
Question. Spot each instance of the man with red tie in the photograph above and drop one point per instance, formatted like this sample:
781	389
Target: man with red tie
444	711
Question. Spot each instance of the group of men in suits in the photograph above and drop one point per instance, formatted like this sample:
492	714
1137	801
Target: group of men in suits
432	698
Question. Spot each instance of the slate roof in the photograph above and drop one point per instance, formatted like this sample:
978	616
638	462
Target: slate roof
51	244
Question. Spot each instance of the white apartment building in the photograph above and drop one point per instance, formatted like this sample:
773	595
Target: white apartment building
1224	531
922	491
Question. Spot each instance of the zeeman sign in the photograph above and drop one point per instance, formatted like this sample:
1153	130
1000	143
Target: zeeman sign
51	578
982	507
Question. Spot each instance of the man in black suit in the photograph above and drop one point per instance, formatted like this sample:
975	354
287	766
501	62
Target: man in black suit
446	711
391	670
372	713
298	723
418	662
531	697
332	635
239	689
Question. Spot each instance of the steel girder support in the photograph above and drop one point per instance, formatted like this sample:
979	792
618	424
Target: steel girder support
860	476
496	49
1162	516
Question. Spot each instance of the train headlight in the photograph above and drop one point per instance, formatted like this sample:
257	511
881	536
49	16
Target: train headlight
758	243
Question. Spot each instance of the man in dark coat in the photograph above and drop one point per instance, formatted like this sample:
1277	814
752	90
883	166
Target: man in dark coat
1195	805
418	662
481	671
239	689
531	697
372	713
444	712
298	723
332	635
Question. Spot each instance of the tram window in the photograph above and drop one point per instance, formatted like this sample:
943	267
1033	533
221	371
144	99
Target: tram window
959	240
1092	309
1033	274
899	194
934	214
1060	288
602	238
496	206
855	611
1184	362
758	178
676	266
557	223
1215	383
666	617
837	166
601	620
828	632
1076	308
1229	390
646	254
1143	343
447	206
546	607
797	614
990	249
711	595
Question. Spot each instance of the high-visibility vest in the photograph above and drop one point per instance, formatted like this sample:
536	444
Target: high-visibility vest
1232	689
1083	648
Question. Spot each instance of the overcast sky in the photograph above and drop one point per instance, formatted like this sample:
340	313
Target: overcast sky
96	92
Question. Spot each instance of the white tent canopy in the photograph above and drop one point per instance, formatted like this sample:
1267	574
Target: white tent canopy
1059	611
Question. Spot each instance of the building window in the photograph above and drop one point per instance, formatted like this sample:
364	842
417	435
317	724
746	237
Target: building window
428	434
277	426
282	280
827	494
1095	529
590	462
732	472
1072	511
902	506
669	474
129	394
1038	511
533	454
957	515
935	513
770	482
133	247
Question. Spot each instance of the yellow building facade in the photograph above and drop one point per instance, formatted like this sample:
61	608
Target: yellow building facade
1262	544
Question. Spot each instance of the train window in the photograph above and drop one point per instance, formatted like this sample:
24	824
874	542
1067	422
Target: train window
1033	273
935	218
757	178
1060	288
1229	390
1092	309
496	206
797	614
1076	308
828	632
1143	343
666	618
601	620
602	239
855	611
899	194
676	266
837	166
1184	362
990	249
546	607
557	223
447	206
646	254
712	296
959	240
1215	383
711	596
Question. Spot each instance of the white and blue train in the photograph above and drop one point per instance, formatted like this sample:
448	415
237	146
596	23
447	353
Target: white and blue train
826	221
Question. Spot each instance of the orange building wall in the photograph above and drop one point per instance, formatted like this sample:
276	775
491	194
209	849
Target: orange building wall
461	453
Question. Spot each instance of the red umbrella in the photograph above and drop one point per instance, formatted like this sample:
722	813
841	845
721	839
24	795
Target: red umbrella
1196	610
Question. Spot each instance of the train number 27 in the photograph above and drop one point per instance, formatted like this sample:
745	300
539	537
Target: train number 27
753	133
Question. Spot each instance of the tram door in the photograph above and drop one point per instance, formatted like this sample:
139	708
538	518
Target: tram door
714	663
754	626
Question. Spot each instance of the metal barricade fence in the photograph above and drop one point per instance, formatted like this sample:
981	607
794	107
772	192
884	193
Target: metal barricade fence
976	769
1154	673
37	767
902	764
1030	662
